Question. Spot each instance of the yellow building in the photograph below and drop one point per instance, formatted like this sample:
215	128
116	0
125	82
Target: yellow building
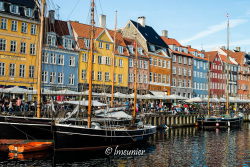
19	30
103	58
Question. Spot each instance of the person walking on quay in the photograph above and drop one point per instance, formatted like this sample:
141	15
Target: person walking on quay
18	104
10	107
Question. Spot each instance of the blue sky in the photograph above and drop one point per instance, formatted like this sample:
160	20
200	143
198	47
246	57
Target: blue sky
199	23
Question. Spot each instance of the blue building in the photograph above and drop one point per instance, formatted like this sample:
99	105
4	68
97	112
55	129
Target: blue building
59	59
200	73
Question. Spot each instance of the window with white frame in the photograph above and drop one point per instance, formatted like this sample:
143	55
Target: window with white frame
145	78
51	39
140	51
60	78
173	82
184	83
87	42
152	47
155	62
140	78
12	70
52	58
24	27
84	57
72	61
164	65
2	69
130	62
163	78
179	71
52	77
2	44
14	25
31	71
155	77
84	74
107	76
3	24
141	64
71	79
120	49
45	57
60	59
21	70
159	62
189	73
28	12
174	58
130	77
179	59
32	49
99	59
33	29
159	78
151	61
23	48
174	70
100	45
67	43
189	61
184	60
145	64
107	46
99	76
120	78
114	77
180	83
45	76
131	49
107	60
184	72
13	45
120	63
14	9
169	64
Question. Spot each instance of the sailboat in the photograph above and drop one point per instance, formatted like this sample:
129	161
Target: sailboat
95	136
226	120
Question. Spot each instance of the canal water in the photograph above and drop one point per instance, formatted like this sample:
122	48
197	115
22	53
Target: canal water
174	147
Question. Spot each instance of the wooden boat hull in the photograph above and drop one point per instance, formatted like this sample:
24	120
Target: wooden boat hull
220	122
13	127
69	138
30	147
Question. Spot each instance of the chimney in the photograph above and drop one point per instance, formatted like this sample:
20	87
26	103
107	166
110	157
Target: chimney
223	47
102	21
237	49
189	46
203	51
165	33
142	20
52	16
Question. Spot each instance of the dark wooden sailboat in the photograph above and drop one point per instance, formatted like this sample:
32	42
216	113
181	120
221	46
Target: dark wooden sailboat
95	136
221	121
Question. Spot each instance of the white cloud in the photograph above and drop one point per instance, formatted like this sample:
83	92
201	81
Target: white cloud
213	29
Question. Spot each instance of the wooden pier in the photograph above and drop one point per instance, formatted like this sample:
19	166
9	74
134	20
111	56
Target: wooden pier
160	120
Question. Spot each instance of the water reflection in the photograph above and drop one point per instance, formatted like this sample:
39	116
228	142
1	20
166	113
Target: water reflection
174	147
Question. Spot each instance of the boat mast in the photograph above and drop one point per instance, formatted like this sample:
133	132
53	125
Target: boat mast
227	68
90	66
39	72
113	65
135	81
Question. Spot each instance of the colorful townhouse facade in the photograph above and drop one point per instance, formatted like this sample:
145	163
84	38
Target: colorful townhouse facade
158	52
103	58
142	67
59	57
182	67
200	73
19	37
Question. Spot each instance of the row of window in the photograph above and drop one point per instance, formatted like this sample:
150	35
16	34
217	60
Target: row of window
243	86
15	9
182	71
200	74
200	86
182	60
14	47
143	64
13	70
159	78
14	26
200	64
187	95
160	63
222	86
51	78
103	60
107	77
141	78
178	49
232	77
52	58
182	83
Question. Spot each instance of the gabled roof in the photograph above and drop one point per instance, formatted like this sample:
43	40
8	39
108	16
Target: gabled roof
59	27
170	41
211	55
149	34
129	41
181	53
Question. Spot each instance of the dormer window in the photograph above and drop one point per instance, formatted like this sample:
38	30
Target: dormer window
140	51
14	9
51	39
152	47
1	6
130	48
67	43
28	12
86	41
120	49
